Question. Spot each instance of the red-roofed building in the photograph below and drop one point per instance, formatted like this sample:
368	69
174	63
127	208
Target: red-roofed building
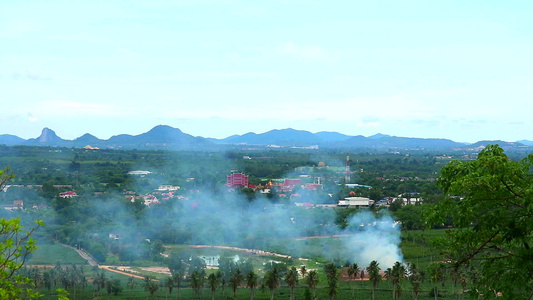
292	182
313	186
70	194
237	180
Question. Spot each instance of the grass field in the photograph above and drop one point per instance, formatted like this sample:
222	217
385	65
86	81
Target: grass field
416	247
48	254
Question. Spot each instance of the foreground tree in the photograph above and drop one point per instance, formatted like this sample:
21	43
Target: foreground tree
15	246
490	201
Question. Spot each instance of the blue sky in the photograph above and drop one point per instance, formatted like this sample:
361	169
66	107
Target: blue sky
447	69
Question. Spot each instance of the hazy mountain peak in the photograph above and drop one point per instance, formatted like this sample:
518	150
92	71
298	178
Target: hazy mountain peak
379	136
47	136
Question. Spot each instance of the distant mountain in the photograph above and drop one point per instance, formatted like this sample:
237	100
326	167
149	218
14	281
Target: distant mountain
525	142
9	140
282	137
378	136
328	136
387	141
161	136
87	139
47	138
166	137
502	144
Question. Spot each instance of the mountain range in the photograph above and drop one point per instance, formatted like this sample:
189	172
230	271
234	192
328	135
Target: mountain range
166	137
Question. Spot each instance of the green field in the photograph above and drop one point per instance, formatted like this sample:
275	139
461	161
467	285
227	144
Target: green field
416	246
50	254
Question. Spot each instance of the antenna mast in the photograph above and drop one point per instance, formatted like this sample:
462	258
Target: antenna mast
347	175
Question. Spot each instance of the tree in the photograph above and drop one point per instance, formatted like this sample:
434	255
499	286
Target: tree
15	246
272	281
197	282
303	271
176	276
252	282
291	278
416	278
332	273
150	286
489	201
437	276
396	274
373	273
213	282
312	281
353	271
169	283
235	281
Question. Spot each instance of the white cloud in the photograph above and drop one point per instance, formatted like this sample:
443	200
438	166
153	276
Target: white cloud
32	118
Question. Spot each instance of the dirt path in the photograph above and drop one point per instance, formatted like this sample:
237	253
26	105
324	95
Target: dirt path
108	268
248	251
323	237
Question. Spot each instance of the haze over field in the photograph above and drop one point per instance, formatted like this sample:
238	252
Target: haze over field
441	69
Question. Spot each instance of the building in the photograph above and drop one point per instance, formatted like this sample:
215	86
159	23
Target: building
355	202
167	187
139	173
237	180
68	194
17	204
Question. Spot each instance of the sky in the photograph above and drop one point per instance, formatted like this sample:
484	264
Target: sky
459	70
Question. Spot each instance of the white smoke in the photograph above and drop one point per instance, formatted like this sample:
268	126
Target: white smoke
373	238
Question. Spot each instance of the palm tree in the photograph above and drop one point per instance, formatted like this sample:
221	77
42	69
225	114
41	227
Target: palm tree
303	271
197	282
373	273
396	274
291	278
149	286
272	281
353	270
437	276
152	288
312	281
213	282
252	282
235	281
331	270
169	283
332	287
416	278
176	276
332	273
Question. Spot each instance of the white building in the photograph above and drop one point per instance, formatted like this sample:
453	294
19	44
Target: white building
167	187
139	172
355	202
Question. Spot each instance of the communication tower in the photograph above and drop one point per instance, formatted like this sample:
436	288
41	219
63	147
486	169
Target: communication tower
347	175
